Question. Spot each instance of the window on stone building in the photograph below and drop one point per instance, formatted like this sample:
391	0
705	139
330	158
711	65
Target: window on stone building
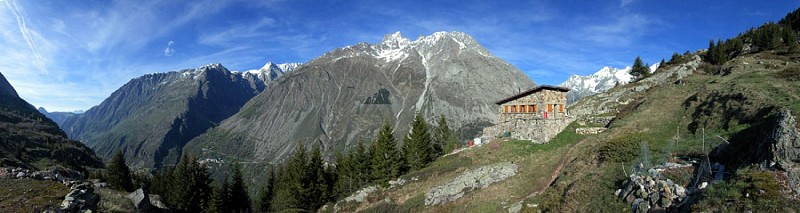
550	108
561	107
535	109
505	108
514	108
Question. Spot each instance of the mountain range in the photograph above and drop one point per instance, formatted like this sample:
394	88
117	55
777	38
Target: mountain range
343	97
334	100
150	118
601	81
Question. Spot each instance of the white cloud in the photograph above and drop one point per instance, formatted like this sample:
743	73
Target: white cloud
169	51
621	31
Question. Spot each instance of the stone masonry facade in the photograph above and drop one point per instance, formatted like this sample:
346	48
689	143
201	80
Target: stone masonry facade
538	115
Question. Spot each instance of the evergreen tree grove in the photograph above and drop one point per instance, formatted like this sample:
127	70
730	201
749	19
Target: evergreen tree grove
119	175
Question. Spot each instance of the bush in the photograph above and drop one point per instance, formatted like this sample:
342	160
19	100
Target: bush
622	149
750	190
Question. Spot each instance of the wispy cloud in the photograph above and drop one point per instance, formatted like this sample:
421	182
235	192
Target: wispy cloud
169	51
26	33
624	3
621	31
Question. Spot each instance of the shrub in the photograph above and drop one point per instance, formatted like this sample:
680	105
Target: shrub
622	149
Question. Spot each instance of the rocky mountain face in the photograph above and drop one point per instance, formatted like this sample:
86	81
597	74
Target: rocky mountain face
29	139
601	81
58	117
150	118
345	95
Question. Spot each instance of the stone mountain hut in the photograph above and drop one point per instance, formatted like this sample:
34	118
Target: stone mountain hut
538	114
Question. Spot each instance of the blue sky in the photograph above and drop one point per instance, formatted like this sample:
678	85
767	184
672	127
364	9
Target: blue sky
70	55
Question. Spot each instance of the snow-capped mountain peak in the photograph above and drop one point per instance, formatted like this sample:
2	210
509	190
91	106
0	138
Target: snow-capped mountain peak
395	41
271	71
601	81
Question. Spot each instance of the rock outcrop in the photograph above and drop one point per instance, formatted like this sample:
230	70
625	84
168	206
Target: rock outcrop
81	198
774	143
478	178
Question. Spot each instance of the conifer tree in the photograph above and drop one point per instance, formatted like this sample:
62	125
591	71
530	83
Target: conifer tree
417	145
387	160
220	200
283	195
297	180
318	194
361	161
345	175
267	193
639	69
239	199
191	187
444	138
662	63
119	175
675	59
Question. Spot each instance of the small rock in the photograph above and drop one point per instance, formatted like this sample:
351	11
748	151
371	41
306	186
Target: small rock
514	208
703	185
20	175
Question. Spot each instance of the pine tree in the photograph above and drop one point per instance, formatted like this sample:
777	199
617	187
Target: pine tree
282	193
675	59
418	144
119	175
239	199
387	160
297	181
361	161
444	139
345	180
220	200
318	194
266	194
639	69
662	63
191	186
331	177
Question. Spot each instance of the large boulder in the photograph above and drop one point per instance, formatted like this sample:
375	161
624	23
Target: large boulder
140	200
474	179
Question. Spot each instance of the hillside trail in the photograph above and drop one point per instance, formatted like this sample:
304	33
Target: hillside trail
554	174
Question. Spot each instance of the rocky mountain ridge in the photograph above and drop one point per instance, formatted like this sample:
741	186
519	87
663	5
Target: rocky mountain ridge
344	96
28	139
151	117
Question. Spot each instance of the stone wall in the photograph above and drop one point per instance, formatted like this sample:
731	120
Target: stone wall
536	130
541	100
